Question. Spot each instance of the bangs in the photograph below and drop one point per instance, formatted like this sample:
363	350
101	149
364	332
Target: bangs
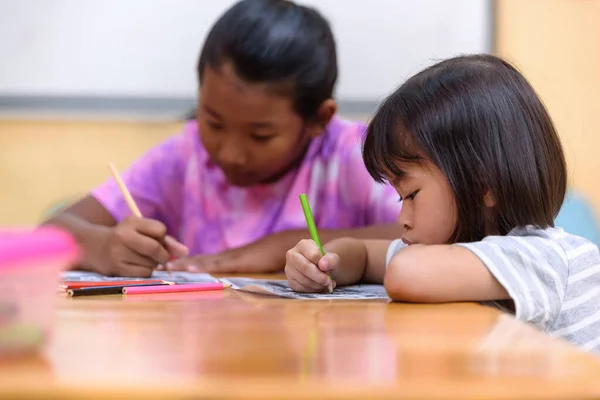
389	143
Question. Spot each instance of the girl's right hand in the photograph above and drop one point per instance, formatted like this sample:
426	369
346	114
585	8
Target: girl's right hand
136	246
307	270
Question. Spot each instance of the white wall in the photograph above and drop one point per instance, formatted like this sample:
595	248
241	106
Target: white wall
149	47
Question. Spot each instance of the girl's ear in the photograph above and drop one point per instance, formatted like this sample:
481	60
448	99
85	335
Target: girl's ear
488	199
325	113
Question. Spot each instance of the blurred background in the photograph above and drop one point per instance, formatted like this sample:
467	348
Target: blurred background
84	82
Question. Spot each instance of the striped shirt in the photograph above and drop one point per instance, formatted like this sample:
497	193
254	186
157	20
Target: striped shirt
553	278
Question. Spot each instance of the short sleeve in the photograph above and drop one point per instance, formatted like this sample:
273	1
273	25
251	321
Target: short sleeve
378	203
392	250
155	181
532	267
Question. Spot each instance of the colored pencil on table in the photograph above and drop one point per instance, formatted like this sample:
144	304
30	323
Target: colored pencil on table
312	229
115	289
84	284
198	287
127	196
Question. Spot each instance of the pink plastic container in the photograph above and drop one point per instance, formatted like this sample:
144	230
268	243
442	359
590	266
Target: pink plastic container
30	266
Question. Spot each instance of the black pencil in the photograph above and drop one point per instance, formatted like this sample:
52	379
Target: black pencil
97	290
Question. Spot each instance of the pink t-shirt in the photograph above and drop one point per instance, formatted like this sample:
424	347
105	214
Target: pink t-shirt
177	184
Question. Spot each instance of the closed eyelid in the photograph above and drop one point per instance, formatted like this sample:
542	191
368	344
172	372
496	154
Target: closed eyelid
262	138
214	124
264	134
410	196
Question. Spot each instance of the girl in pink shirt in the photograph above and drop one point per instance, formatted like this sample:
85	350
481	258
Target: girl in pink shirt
223	194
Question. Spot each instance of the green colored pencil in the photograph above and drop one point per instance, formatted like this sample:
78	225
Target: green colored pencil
312	229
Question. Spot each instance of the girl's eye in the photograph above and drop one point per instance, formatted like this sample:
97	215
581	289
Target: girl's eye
409	197
262	138
215	126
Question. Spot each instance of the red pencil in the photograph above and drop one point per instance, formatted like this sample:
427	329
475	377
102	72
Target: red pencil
84	284
175	288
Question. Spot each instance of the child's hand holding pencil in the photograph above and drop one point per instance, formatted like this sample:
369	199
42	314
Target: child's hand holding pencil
137	245
308	268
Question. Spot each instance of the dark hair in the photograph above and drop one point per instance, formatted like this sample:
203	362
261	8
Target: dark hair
278	42
479	120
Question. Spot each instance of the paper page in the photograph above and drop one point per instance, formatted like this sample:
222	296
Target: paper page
176	276
281	288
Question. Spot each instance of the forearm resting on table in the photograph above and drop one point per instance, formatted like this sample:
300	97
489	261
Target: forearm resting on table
89	236
439	274
89	223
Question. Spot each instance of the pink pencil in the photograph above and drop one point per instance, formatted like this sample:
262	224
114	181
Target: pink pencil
175	288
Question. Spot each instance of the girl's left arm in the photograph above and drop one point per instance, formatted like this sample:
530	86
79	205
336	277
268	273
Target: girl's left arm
440	273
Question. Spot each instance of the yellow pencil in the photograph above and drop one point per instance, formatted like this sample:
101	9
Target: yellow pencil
128	198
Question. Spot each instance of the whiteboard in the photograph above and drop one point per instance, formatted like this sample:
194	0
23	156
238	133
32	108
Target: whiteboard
149	48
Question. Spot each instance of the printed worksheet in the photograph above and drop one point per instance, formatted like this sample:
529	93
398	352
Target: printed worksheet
281	288
176	276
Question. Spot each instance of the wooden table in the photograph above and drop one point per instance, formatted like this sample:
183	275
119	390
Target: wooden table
231	345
